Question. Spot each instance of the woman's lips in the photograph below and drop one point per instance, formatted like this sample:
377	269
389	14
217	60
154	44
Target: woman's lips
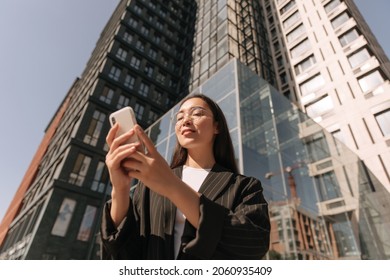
187	131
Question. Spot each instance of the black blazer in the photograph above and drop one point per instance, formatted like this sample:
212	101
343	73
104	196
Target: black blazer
234	223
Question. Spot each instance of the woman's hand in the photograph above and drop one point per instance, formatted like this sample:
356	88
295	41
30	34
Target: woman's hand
149	166
116	158
152	169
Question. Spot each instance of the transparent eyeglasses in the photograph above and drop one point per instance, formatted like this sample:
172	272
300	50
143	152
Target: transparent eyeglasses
194	114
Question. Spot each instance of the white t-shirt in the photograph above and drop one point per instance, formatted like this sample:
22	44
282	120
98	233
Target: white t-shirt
193	177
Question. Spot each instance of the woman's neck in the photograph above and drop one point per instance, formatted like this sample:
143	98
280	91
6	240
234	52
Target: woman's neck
200	161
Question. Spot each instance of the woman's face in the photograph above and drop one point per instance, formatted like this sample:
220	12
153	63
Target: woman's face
195	126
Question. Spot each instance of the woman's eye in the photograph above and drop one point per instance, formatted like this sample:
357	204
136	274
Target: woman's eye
197	113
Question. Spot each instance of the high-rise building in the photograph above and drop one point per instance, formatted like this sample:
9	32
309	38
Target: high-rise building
328	62
226	30
142	59
319	54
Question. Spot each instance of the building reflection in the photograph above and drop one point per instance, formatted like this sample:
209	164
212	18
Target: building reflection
323	202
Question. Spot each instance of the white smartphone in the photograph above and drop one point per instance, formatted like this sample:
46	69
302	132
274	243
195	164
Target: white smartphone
126	119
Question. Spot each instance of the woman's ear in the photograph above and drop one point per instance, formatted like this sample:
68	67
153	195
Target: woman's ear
216	128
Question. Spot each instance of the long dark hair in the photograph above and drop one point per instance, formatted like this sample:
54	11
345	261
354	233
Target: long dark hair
223	147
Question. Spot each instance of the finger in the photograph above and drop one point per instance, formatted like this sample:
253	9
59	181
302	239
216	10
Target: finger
122	139
138	156
145	139
131	164
133	173
117	156
111	134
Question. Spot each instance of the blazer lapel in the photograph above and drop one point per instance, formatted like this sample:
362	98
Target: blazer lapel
169	208
215	182
163	212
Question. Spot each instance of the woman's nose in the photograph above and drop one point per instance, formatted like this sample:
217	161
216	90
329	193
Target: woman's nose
187	119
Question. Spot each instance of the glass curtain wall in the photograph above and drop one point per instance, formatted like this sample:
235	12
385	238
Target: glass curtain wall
323	202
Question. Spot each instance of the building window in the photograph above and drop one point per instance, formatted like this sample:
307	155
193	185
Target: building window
348	37
94	129
121	54
291	20
338	21
305	64
64	217
319	107
152	53
173	84
152	117
300	48
167	46
149	70
150	17
345	236
145	30
139	111
163	13
79	171
157	39
115	73
159	25
312	85
328	186
152	5
280	61
287	7
135	62
133	23
338	140
137	9
333	4
359	57
101	179
371	81
271	20
161	78
317	147
383	120
165	61
86	224
140	46
274	34
169	102
107	95
283	78
158	97
123	102
295	33
129	81
143	89
276	46
170	32
128	37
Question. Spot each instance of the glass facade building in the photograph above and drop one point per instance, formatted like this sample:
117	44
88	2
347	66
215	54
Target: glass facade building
324	203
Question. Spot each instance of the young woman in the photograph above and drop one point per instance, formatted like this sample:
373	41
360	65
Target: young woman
200	207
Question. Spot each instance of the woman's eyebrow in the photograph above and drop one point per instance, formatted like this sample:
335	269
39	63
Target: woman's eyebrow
191	108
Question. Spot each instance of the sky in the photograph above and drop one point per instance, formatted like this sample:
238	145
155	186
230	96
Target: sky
44	47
